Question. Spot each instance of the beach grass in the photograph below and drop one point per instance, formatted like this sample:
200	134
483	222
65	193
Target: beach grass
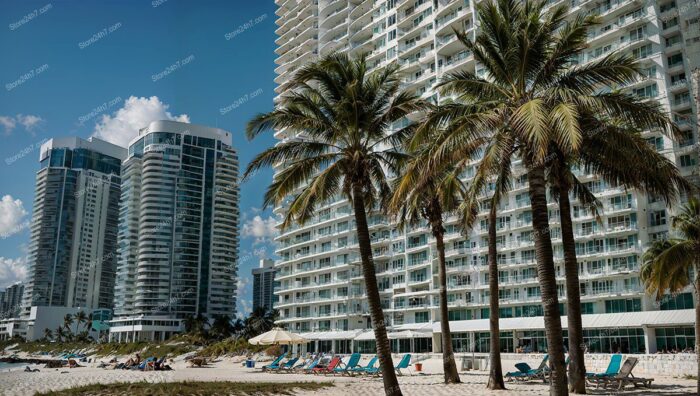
191	388
173	347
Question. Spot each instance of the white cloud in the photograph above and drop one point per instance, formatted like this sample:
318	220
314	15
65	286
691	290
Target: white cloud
122	126
12	271
245	306
260	229
11	215
8	123
29	121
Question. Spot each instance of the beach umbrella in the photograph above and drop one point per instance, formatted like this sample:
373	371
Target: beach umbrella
277	336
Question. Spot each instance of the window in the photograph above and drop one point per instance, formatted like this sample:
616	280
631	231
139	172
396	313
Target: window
505	312
534	292
667	24
681	301
460	342
657	142
675	60
422	317
658	218
616	340
678	338
649	91
638	33
629	305
687	160
529	311
587	308
460	314
642	52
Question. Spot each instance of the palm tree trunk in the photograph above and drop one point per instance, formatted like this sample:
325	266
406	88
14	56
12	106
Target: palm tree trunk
577	365
448	357
547	280
496	371
391	383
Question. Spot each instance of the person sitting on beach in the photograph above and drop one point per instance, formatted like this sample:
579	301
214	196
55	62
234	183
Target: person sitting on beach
135	361
73	364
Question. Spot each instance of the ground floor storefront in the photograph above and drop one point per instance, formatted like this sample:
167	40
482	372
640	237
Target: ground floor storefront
648	332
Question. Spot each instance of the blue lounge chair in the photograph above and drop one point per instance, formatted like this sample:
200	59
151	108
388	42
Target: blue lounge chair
275	363
526	373
366	369
352	363
286	366
612	370
312	366
299	365
403	364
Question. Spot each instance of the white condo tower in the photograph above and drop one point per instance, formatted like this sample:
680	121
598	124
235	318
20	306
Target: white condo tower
178	230
321	291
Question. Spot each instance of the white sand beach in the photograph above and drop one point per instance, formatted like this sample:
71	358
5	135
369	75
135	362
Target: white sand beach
429	382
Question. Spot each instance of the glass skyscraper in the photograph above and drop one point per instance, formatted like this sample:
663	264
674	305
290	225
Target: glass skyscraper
72	253
178	230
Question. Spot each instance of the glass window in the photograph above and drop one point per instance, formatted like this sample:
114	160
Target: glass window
680	301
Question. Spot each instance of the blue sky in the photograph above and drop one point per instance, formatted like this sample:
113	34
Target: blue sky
104	67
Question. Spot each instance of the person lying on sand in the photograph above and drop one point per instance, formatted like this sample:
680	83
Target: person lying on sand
30	370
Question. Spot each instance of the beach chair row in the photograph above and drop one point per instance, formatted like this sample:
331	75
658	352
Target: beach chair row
617	375
333	365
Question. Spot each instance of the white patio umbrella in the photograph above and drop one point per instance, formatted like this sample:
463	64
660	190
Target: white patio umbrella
277	336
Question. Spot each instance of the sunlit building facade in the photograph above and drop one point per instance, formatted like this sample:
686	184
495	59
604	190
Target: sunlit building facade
72	252
178	230
321	289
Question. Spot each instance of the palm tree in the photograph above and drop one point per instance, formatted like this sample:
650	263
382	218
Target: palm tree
81	317
530	98
341	114
48	334
260	321
438	196
238	327
607	153
667	264
196	324
60	333
495	163
68	322
221	327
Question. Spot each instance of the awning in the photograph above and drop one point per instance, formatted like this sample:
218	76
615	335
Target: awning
410	334
331	335
592	321
366	336
369	335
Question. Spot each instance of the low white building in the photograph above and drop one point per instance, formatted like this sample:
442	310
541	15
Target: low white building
40	318
144	328
11	327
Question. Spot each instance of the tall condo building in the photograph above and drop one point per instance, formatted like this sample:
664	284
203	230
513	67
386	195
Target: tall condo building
72	252
10	300
263	284
321	286
178	230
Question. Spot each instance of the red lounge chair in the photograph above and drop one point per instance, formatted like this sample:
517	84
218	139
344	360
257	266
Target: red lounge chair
328	369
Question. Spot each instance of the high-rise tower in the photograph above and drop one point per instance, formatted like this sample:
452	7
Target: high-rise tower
178	230
72	253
